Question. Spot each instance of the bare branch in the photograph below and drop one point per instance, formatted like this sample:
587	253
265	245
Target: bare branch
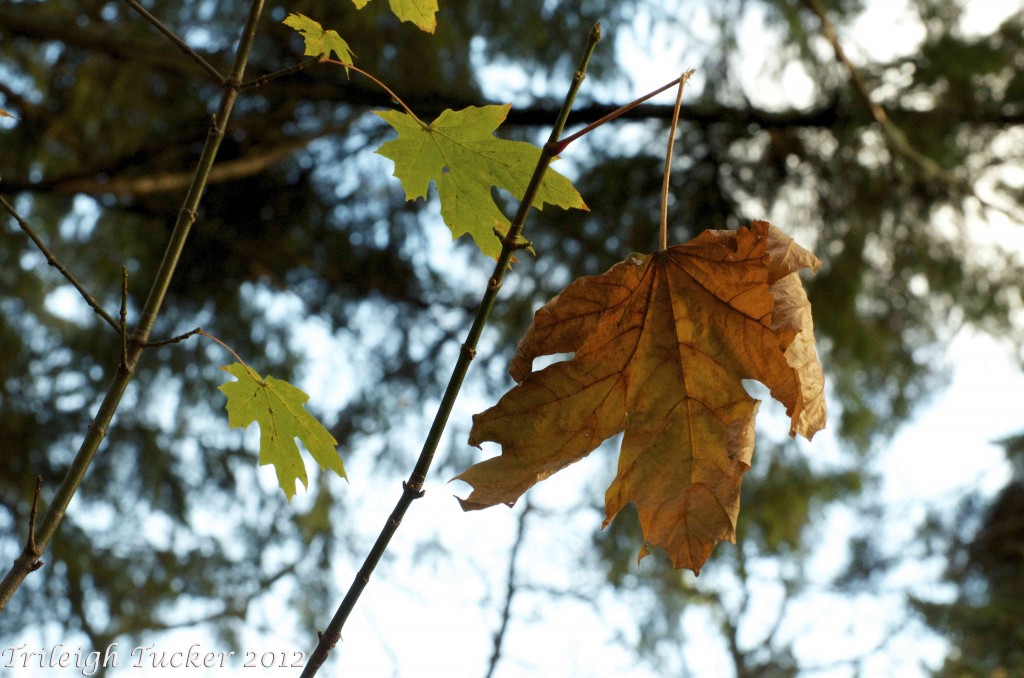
52	261
97	429
510	589
264	79
413	488
173	37
173	340
897	139
124	317
895	136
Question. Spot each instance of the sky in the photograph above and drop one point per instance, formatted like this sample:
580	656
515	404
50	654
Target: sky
422	615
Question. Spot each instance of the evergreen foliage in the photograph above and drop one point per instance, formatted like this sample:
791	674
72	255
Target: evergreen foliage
303	231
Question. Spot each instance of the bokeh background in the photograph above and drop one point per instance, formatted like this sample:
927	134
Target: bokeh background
891	545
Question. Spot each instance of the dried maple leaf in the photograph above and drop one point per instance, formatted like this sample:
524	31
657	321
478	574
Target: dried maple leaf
661	342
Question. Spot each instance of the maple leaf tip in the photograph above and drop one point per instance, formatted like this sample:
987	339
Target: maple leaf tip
467	505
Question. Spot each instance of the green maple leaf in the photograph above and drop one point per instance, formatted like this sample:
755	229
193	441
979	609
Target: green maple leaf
278	408
419	12
461	155
318	41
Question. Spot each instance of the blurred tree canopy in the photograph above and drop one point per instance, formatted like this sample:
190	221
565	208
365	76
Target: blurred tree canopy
304	231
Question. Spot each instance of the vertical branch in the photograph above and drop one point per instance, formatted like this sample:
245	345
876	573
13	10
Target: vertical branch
124	316
97	429
412	489
510	590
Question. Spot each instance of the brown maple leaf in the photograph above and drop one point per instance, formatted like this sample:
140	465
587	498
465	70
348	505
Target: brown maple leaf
661	343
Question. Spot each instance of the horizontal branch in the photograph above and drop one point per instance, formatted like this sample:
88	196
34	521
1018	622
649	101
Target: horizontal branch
36	24
42	23
164	182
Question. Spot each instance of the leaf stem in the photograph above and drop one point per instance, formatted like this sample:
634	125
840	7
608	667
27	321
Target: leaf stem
199	330
412	489
668	159
614	114
380	84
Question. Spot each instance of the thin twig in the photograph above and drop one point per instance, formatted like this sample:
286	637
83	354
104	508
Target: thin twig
897	139
412	489
174	340
621	110
124	317
30	545
510	589
173	37
52	261
894	135
668	159
199	330
264	79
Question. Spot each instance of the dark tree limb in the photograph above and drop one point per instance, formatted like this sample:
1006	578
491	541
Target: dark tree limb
41	24
164	182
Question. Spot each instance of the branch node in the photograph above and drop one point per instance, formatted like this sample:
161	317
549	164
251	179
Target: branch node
513	243
409	489
30	544
192	216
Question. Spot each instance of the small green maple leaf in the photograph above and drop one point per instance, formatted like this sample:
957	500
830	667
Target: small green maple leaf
278	408
419	12
318	41
461	155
